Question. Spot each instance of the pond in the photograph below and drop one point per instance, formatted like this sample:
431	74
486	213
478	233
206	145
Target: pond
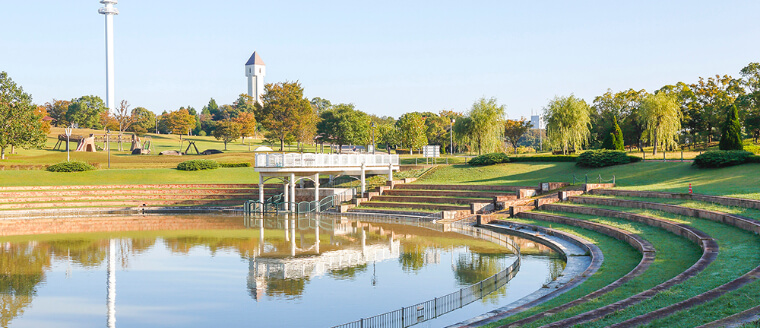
212	270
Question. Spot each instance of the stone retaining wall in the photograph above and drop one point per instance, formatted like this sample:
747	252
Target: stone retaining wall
462	187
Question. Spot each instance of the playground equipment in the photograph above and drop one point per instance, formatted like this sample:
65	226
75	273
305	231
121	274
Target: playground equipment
87	144
140	148
62	141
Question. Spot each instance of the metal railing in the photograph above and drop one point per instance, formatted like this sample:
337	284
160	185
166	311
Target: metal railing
598	179
324	160
430	309
275	204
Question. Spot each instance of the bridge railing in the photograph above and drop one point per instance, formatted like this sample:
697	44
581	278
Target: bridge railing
286	160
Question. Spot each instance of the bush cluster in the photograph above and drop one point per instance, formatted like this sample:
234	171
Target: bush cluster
197	165
72	166
241	164
544	158
602	158
724	158
489	159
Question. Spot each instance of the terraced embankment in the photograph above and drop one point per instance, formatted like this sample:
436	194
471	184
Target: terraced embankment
679	289
128	196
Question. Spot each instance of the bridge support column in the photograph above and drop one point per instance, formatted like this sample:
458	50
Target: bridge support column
364	185
293	191
285	197
261	192
316	190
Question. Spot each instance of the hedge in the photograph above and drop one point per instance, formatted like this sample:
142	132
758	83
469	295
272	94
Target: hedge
72	166
544	158
602	158
197	165
724	158
241	164
489	159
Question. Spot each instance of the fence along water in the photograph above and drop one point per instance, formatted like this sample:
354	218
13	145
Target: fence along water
431	309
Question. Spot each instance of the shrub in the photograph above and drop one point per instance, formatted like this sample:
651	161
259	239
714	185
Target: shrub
602	158
489	159
544	158
241	164
73	166
197	165
723	158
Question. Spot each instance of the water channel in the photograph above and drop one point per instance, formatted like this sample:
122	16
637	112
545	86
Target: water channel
211	270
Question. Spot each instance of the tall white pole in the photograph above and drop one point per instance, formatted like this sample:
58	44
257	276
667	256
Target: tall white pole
111	282
109	11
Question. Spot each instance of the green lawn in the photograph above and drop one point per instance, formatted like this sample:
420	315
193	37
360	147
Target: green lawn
127	176
737	181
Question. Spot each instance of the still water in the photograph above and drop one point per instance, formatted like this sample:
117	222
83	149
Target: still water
202	271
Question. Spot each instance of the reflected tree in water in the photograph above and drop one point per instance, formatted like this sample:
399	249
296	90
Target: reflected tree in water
471	268
412	258
22	268
87	253
286	287
556	266
348	273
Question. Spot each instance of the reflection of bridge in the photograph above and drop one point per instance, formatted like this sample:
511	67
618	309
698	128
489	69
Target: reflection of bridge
267	266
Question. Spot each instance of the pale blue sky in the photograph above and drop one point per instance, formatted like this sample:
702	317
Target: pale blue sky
387	57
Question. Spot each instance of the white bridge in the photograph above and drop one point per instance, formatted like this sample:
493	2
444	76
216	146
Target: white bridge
293	167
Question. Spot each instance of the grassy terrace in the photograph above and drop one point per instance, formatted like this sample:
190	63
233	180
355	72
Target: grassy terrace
619	259
674	255
738	254
738	181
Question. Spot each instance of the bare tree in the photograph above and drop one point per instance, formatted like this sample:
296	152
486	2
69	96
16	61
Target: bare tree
124	116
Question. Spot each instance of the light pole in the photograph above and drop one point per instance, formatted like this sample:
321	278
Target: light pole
68	135
108	145
373	138
451	135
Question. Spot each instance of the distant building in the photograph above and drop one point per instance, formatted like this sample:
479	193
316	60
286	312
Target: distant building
537	121
255	69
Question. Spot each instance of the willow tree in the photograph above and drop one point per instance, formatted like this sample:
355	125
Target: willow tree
661	114
567	123
486	124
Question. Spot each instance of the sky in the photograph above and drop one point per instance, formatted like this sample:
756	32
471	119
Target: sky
387	58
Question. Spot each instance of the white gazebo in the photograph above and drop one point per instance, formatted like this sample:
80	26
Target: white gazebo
293	167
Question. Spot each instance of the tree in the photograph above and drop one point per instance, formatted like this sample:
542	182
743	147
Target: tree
41	112
226	130
19	125
514	130
123	116
282	111
711	97
57	110
486	124
618	141
412	131
437	130
345	125
621	106
143	120
567	123
661	115
320	105
86	112
749	103
247	123
731	133
179	121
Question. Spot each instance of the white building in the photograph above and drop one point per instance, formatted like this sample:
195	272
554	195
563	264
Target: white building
255	69
537	122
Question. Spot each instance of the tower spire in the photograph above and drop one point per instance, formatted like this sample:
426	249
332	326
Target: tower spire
255	69
109	11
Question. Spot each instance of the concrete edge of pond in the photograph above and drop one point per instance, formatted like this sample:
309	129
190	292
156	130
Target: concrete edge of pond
583	260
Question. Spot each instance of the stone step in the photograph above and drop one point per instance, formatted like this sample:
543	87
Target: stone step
133	203
449	193
143	186
10	194
433	200
435	207
126	198
394	212
462	187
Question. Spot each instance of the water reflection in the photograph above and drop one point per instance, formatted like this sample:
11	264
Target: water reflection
283	257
